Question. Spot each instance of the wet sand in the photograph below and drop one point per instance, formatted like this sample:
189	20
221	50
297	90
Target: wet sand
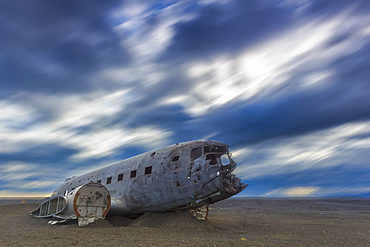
260	221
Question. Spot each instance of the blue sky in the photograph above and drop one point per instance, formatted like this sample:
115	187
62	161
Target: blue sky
285	83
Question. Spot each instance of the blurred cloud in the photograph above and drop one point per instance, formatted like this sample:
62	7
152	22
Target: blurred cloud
285	83
327	148
75	113
318	192
297	58
295	191
47	46
18	193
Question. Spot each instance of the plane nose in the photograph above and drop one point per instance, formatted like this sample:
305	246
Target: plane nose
212	183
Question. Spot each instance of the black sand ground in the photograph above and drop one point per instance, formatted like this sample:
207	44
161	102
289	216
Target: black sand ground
260	221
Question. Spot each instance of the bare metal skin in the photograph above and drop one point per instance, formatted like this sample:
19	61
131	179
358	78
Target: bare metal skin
181	176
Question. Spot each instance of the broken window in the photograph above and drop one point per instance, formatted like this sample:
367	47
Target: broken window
176	158
214	158
120	177
99	181
215	149
133	174
148	170
109	180
196	153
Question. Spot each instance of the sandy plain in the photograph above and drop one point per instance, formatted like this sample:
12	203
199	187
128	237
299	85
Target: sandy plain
233	222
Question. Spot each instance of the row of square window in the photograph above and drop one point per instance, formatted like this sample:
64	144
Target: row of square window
148	170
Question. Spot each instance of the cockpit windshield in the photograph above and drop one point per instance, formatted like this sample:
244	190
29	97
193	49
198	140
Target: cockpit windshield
225	159
217	155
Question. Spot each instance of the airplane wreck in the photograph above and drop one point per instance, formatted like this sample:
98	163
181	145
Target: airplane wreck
183	176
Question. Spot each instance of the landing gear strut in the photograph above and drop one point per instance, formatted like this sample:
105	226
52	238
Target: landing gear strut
200	213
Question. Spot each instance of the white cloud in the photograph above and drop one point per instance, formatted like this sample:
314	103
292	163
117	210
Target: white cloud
145	44
104	142
16	167
205	2
325	148
80	110
241	153
74	111
318	191
17	175
15	115
259	71
19	193
37	184
262	69
294	191
12	171
340	191
18	178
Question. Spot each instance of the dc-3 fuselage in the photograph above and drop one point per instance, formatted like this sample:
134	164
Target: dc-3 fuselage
182	176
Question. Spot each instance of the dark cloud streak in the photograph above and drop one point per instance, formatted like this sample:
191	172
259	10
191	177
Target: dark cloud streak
56	46
230	28
294	115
